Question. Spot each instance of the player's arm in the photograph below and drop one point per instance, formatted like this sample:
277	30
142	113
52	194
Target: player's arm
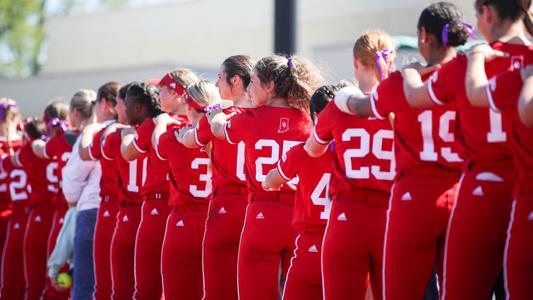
273	181
315	148
127	148
161	123
87	136
218	119
351	100
185	136
525	102
414	88
476	82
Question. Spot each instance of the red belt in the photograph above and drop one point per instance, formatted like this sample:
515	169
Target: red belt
231	190
372	198
157	196
281	197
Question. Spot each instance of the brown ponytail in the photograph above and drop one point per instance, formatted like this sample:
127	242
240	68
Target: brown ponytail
528	17
294	79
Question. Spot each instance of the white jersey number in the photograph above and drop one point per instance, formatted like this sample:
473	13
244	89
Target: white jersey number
51	176
428	152
322	188
206	177
496	134
19	180
273	158
240	161
133	185
364	149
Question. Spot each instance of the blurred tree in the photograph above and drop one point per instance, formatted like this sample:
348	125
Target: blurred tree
22	33
21	36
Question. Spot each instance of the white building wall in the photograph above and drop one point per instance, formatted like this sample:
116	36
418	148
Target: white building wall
140	43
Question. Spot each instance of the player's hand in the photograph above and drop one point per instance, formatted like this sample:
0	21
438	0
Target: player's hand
270	189
526	72
57	286
343	96
180	134
218	116
487	52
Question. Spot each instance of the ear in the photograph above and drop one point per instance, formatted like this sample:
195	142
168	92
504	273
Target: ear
423	35
270	87
355	63
234	80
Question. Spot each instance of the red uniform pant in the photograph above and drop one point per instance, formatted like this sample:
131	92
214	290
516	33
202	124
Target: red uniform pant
221	244
353	244
123	251
304	277
148	245
519	247
267	240
13	283
181	261
38	229
5	216
103	234
477	231
50	293
421	202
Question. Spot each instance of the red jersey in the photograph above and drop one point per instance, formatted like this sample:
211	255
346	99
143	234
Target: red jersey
227	160
421	137
14	181
190	169
158	169
59	147
503	93
42	175
268	132
312	203
109	182
483	133
4	147
132	173
364	156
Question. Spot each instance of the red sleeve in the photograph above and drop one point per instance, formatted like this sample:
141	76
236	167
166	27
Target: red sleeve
237	127
323	131
143	137
108	143
95	146
23	155
51	147
387	98
163	145
202	132
444	84
504	90
289	163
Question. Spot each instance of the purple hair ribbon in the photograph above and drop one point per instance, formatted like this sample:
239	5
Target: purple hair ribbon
57	122
290	64
210	108
379	56
469	28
